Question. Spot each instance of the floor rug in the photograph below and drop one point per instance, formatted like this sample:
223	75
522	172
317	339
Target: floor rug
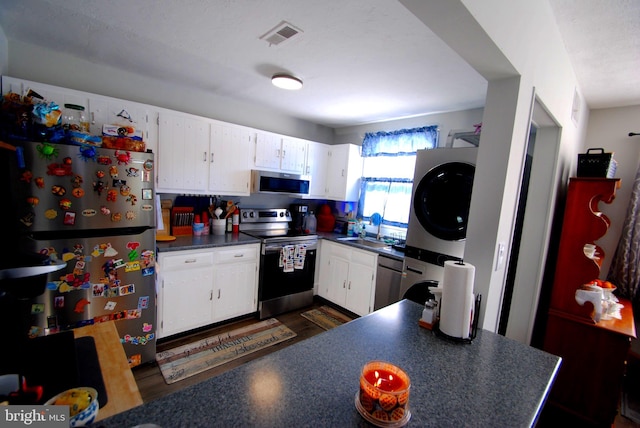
187	360
326	317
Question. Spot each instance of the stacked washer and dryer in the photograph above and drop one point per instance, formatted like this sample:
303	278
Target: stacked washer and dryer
441	195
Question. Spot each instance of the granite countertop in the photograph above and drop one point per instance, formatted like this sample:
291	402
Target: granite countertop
210	241
205	241
494	381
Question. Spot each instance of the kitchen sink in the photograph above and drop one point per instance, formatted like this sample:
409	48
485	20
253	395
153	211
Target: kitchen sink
369	242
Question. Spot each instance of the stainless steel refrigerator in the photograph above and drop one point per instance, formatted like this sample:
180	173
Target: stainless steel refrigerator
94	209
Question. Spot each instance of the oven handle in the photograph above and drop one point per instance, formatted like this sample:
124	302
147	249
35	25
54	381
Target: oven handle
272	248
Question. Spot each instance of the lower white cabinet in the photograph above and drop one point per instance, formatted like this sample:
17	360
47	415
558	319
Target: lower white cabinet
201	287
347	276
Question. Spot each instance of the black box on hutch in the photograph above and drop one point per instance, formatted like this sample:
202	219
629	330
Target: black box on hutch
596	163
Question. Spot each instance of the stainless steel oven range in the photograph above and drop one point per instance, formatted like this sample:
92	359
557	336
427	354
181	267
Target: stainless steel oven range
287	261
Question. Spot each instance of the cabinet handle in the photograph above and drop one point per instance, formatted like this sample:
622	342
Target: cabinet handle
344	284
239	255
218	293
211	295
349	287
93	118
343	172
191	261
204	156
284	153
211	158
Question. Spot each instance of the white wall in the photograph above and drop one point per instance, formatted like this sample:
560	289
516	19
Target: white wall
446	122
517	47
59	69
609	129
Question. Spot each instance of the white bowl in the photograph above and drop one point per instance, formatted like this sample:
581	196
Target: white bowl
85	416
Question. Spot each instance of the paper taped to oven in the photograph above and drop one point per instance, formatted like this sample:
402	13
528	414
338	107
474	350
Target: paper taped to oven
292	257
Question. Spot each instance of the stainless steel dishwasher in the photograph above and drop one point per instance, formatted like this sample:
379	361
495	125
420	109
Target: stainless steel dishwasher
388	278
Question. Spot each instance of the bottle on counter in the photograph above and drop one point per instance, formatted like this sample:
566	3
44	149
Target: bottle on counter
310	223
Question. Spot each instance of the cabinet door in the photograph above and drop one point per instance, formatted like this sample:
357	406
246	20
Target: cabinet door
229	167
359	288
316	167
293	155
183	153
111	111
235	291
268	150
338	277
187	300
344	173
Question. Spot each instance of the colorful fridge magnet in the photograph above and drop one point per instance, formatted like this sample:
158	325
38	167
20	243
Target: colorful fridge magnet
39	182
88	153
123	158
50	214
99	187
47	151
111	305
112	195
69	218
109	251
147	194
27	219
113	171
37	308
115	217
132	172
77	192
59	169
146	327
33	201
58	302
65	204
26	176
77	181
79	308
103	160
58	190
97	290
143	302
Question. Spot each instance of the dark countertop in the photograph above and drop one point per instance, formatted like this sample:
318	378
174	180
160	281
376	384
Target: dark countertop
205	241
210	241
494	381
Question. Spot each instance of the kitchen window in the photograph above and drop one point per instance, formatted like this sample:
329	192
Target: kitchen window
387	177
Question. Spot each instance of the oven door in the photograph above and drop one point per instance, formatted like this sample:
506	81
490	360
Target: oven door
286	269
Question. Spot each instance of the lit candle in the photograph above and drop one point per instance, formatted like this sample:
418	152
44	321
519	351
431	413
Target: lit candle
384	393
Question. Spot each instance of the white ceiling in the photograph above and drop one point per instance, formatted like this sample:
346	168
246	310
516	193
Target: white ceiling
361	60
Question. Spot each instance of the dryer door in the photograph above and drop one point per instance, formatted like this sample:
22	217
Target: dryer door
442	199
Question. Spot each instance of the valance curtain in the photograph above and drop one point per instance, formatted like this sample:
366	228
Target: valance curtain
389	161
625	265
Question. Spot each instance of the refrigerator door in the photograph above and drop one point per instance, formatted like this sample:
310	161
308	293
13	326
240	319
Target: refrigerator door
65	188
106	278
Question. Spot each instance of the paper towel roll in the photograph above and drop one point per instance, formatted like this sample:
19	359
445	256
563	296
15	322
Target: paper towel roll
457	299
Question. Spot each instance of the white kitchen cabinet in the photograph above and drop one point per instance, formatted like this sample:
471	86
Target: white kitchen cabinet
316	167
201	287
347	276
202	156
230	162
236	280
99	110
185	291
183	153
344	172
279	153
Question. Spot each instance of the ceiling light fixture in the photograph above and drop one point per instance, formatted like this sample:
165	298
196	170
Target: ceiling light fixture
286	81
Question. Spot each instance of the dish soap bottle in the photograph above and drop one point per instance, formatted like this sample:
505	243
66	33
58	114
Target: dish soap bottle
310	223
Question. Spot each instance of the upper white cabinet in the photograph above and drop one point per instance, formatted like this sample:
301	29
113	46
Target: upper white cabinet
316	167
202	156
183	153
344	172
99	110
279	153
230	160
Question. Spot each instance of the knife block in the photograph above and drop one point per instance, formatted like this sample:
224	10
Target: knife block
181	230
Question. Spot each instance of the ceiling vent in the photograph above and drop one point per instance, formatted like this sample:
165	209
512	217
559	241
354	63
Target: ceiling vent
280	33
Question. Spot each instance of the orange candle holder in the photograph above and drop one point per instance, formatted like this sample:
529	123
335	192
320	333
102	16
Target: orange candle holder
383	398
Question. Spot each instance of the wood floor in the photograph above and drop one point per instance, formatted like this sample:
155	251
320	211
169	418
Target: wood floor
152	385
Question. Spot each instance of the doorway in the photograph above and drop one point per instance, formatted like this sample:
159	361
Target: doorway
532	228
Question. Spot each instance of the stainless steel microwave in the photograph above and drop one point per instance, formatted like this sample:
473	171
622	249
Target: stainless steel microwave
279	182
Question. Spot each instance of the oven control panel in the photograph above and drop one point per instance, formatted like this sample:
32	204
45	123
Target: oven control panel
265	215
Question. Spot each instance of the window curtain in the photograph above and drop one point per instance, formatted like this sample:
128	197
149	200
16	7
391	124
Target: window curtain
624	272
389	160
